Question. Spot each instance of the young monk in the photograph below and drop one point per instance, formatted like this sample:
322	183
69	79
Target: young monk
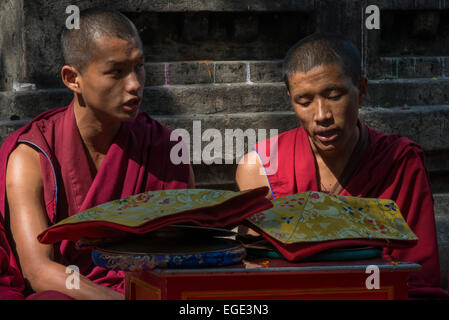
99	148
334	152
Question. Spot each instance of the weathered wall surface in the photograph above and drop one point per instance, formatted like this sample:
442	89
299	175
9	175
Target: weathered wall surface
11	43
219	62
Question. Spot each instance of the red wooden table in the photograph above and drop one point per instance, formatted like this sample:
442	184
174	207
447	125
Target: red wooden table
273	279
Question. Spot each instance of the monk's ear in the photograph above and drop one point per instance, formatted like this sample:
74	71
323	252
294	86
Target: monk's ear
363	89
71	78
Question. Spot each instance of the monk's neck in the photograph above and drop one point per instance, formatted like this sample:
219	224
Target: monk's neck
335	162
97	134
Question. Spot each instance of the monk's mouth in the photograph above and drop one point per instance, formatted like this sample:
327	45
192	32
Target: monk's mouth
133	106
327	137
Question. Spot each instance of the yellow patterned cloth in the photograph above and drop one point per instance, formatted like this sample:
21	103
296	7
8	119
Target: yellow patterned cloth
136	210
317	216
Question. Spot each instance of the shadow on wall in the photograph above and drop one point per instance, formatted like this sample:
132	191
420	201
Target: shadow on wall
185	36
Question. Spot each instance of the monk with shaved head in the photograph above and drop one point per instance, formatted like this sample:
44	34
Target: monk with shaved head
333	152
99	148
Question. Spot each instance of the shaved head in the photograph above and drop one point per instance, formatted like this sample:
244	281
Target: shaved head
78	45
322	49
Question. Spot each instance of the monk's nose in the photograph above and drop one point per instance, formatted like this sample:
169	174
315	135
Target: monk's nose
322	112
133	85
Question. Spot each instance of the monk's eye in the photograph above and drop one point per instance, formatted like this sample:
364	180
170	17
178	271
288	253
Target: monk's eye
335	97
304	103
115	72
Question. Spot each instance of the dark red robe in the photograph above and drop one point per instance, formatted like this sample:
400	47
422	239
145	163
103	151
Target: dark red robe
390	167
11	282
137	161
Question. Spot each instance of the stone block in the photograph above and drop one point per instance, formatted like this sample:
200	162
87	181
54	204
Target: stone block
417	67
412	67
442	209
28	104
196	26
189	72
427	125
428	4
215	98
266	71
442	223
175	73
246	28
11	44
229	72
413	92
203	72
8	127
156	74
425	24
388	68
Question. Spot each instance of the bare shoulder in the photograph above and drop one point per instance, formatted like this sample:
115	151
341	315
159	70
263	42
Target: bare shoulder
250	163
250	173
23	168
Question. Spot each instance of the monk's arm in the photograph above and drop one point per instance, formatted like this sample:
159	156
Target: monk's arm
24	189
250	174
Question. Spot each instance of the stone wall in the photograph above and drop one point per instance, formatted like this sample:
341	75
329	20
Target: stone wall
219	61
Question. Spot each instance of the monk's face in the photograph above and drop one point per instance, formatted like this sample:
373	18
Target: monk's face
326	102
112	84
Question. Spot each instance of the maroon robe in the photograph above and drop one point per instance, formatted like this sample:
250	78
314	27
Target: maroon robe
137	161
388	167
11	282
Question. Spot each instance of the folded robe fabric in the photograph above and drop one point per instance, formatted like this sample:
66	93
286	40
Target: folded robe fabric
390	167
11	281
138	160
307	223
152	210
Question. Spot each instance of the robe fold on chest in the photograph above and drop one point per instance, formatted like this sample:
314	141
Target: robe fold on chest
388	167
137	161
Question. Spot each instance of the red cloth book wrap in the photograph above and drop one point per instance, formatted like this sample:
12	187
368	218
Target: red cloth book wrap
150	211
